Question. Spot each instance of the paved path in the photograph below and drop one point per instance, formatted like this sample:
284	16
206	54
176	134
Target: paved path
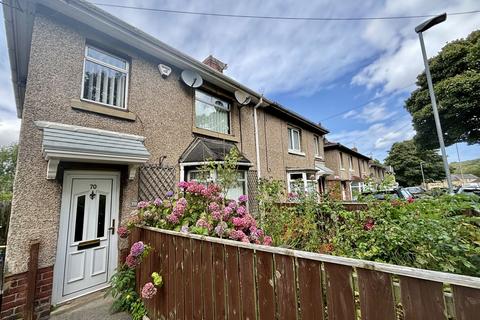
93	307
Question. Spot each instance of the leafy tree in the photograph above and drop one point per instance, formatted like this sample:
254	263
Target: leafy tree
456	77
469	166
8	163
405	158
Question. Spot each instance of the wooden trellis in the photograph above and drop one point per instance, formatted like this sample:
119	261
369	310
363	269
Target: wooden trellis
155	181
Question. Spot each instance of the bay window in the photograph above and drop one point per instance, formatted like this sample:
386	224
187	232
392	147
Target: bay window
211	113
300	182
210	176
105	78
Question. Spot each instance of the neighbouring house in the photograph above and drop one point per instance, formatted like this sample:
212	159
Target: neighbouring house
458	180
350	169
107	120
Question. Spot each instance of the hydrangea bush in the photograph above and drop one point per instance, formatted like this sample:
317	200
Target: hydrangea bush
201	209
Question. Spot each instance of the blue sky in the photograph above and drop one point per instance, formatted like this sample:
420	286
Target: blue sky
326	71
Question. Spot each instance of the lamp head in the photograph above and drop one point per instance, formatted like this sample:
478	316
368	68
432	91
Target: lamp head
424	26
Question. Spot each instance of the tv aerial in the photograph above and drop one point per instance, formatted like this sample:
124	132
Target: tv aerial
191	78
242	97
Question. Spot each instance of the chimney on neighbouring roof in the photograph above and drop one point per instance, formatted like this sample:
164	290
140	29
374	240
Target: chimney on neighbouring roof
214	63
355	149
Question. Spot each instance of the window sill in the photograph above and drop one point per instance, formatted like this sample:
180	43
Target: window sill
101	109
213	134
319	158
297	153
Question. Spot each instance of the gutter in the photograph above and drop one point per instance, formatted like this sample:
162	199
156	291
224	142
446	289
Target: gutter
257	146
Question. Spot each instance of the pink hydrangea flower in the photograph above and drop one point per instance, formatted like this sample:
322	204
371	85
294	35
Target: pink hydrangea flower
217	215
243	198
267	241
213	207
143	204
123	232
149	290
241	210
131	261
137	249
158	202
221	228
172	218
183	184
237	235
201	223
169	194
232	204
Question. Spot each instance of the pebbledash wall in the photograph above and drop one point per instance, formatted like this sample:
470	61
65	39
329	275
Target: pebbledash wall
164	115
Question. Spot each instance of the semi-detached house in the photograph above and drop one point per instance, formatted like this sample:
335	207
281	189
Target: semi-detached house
95	110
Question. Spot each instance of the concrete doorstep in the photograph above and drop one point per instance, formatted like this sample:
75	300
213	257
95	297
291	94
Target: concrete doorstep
91	307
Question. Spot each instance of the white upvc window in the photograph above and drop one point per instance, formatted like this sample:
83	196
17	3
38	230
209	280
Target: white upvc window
294	140
342	167
350	163
105	78
316	146
298	182
210	176
211	113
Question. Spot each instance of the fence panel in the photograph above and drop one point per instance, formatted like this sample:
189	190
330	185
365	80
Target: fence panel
211	278
375	286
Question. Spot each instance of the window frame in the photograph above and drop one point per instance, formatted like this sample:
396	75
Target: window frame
305	181
316	146
214	176
290	131
341	161
350	163
215	96
104	64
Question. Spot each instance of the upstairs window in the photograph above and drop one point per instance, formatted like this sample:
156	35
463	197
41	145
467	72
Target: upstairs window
316	146
350	163
341	161
105	78
294	140
211	113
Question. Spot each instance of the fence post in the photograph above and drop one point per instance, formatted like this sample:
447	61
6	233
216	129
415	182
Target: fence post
29	311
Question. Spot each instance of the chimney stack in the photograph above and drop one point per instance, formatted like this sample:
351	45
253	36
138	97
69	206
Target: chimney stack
214	63
355	149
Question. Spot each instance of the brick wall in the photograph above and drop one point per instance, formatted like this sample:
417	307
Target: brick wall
15	292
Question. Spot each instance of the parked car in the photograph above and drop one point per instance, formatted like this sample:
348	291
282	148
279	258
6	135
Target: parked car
417	192
472	188
397	193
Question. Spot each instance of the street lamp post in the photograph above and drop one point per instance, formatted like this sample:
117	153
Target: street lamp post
423	175
420	29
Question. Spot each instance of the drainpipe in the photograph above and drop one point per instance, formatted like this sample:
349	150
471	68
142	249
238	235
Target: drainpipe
257	146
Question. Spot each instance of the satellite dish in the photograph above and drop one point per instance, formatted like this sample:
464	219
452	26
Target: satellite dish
242	97
191	78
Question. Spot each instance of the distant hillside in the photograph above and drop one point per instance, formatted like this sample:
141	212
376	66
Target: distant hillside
469	166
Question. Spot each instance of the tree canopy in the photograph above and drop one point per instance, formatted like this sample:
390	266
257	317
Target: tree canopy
8	163
405	158
456	80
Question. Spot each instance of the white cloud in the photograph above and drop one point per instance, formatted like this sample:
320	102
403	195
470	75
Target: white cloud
371	113
400	57
9	131
377	138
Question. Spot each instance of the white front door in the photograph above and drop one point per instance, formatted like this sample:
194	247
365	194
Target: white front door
87	246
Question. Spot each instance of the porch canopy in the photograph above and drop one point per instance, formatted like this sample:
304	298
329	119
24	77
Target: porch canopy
62	142
202	150
322	169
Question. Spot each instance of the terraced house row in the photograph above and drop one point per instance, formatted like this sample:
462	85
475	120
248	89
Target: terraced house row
106	109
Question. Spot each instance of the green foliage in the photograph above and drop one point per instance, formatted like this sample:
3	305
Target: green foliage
292	225
8	163
405	158
227	172
122	289
469	166
428	233
456	77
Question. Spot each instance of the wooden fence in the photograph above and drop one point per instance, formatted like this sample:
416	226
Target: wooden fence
211	278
